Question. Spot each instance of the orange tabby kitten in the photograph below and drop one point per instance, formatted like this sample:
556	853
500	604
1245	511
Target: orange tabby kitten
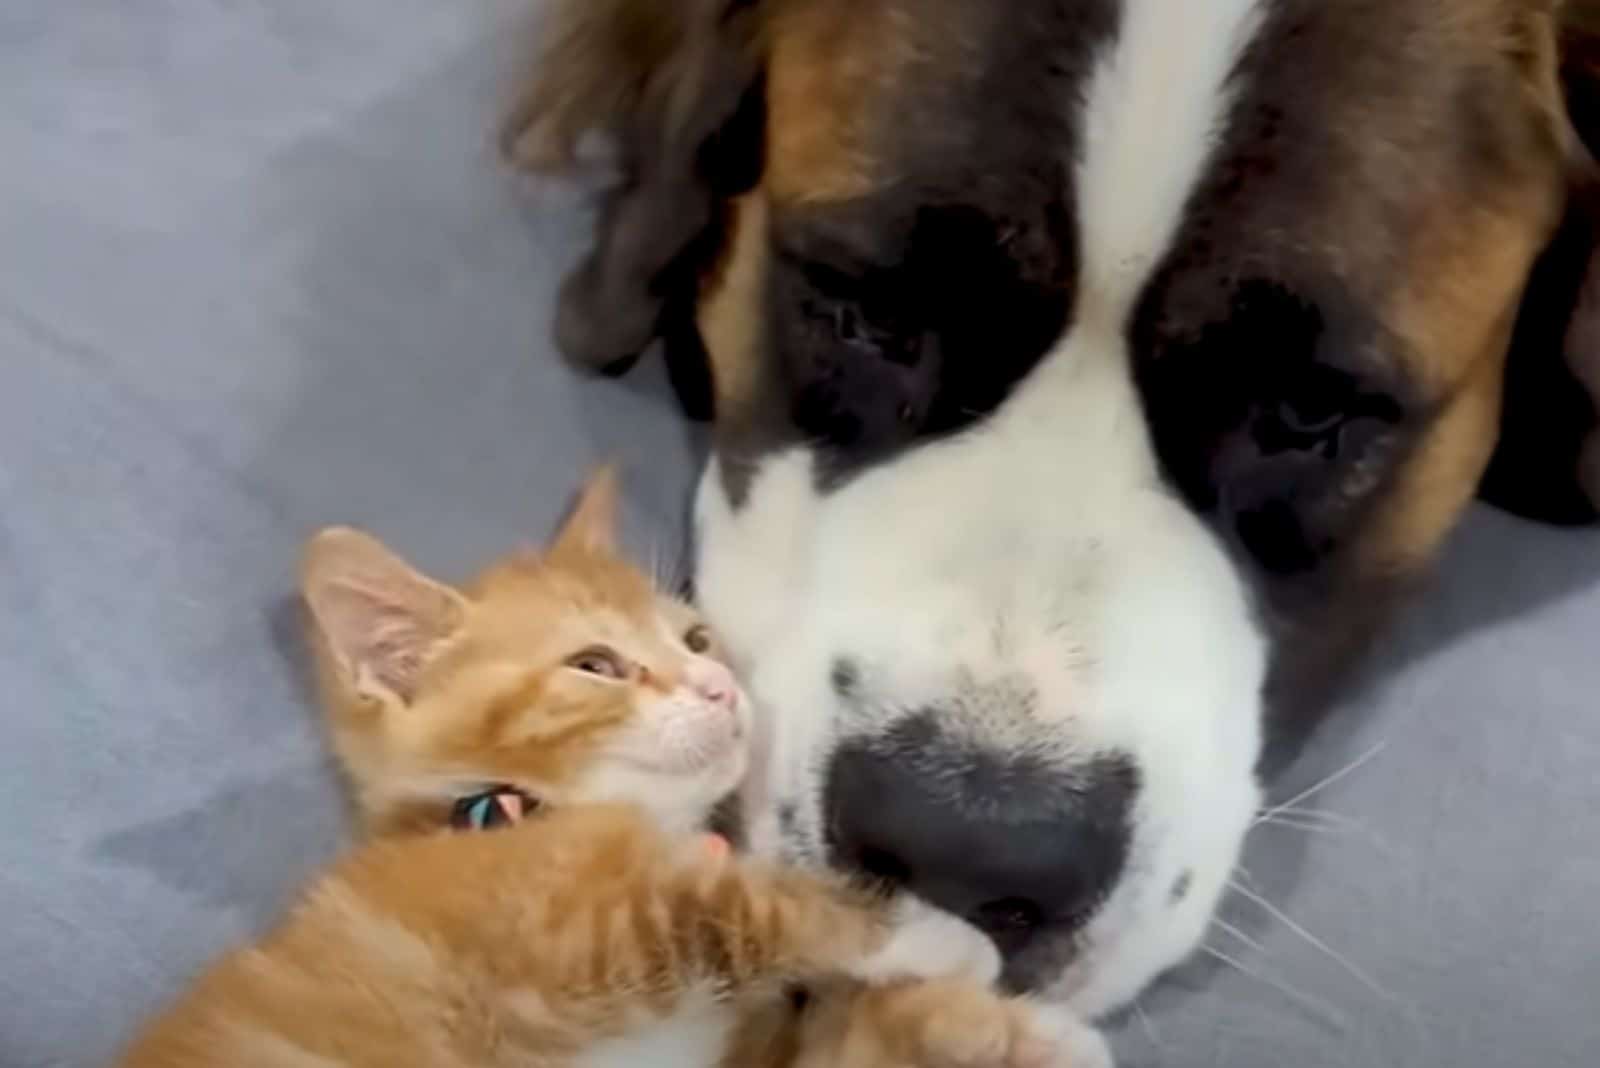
600	930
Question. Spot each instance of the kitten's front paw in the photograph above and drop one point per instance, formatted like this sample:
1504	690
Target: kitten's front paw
969	1032
925	943
1079	1045
955	1024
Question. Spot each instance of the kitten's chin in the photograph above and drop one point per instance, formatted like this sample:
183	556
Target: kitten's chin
681	794
712	752
687	813
718	781
712	787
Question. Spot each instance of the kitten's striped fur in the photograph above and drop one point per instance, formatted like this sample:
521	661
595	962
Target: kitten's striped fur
599	932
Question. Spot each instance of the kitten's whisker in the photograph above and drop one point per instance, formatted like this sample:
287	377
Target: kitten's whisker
1318	787
1278	914
666	569
1292	993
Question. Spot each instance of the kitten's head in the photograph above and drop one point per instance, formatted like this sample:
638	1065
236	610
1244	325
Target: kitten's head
564	673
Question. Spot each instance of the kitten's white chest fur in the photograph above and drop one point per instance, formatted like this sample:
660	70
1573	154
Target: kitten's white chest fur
694	1035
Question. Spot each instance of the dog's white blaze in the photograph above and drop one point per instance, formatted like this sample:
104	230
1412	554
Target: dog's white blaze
1041	546
1155	106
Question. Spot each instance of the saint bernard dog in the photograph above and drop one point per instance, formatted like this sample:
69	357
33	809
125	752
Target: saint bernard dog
1087	379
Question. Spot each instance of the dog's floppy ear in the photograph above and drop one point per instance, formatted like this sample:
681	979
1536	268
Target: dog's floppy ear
1547	464
675	87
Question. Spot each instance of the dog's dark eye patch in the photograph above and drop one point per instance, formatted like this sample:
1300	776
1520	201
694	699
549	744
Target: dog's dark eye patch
900	319
1269	414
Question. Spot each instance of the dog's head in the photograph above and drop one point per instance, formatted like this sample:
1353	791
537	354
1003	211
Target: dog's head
1088	376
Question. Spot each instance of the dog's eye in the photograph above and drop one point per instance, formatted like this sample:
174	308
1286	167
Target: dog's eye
853	330
1325	415
850	327
1308	417
698	638
1276	415
598	660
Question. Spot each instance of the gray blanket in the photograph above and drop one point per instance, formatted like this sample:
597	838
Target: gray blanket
259	272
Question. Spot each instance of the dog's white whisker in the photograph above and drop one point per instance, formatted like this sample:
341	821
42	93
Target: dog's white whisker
1294	994
1307	824
1318	814
1149	1027
1278	914
1349	769
1301	824
1239	933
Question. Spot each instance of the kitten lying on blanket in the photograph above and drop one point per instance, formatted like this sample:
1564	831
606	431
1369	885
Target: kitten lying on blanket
599	930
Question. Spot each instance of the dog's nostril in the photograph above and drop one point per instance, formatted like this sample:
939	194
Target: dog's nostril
1017	846
1007	916
1010	921
879	865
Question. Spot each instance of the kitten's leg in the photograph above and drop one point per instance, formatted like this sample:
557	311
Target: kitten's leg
1081	1044
791	926
943	1024
927	943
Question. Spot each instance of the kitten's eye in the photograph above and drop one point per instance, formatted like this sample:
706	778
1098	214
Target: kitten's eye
698	638
598	661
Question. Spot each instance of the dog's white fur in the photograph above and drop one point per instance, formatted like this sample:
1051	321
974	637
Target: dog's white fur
1042	546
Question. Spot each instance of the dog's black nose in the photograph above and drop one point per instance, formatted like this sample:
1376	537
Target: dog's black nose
1017	844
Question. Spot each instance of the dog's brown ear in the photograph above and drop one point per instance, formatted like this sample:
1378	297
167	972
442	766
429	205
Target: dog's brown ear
1547	464
675	87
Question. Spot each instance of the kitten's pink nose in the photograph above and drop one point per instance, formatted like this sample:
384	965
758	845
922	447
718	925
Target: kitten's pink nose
713	683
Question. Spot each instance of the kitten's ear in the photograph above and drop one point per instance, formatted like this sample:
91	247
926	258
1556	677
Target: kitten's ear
382	621
591	526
